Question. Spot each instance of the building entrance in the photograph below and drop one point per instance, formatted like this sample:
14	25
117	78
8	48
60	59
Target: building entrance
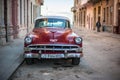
5	20
118	31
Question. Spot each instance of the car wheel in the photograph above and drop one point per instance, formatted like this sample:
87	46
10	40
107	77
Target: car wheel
29	61
75	61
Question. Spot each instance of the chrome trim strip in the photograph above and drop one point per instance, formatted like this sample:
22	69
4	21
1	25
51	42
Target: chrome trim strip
53	45
56	49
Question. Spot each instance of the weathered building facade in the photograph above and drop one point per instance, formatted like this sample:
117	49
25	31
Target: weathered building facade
17	17
87	14
104	10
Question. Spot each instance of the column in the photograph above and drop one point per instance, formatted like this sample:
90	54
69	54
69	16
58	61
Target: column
9	21
115	12
78	18
15	17
38	10
2	13
2	25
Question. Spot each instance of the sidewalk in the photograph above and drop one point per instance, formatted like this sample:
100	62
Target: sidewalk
10	58
94	32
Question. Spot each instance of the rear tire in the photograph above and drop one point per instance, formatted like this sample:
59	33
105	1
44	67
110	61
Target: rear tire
29	61
75	61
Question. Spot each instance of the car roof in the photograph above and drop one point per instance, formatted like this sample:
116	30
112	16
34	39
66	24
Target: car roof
57	17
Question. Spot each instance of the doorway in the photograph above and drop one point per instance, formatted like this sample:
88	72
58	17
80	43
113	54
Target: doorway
5	20
94	19
118	31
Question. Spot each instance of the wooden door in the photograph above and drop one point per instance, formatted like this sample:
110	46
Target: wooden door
94	19
119	21
15	18
5	20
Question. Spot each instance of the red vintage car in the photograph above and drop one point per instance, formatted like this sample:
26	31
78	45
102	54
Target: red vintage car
52	38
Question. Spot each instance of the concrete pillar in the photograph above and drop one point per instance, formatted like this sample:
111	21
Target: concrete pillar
2	25
23	12
79	18
9	21
35	11
115	12
39	11
2	13
9	13
76	20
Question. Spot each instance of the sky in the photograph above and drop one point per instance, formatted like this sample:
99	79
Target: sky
58	7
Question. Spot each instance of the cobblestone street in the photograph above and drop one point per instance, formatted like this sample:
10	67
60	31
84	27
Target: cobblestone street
101	61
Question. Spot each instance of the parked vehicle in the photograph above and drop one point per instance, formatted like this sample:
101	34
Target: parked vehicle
52	38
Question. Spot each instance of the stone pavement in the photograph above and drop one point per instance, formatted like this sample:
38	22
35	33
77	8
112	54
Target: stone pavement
10	57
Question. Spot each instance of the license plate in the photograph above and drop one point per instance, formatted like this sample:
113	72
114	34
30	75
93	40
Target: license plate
52	56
